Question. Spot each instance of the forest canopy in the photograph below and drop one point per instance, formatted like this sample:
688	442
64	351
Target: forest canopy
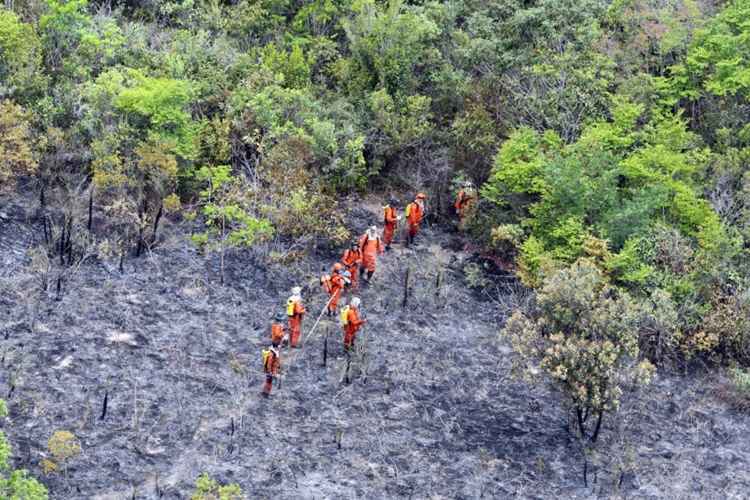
617	132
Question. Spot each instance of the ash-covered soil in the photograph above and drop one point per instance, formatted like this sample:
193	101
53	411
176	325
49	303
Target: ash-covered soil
432	411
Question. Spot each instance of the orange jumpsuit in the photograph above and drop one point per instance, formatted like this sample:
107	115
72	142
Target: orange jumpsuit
390	222
277	333
463	203
352	259
414	214
333	285
353	324
295	322
370	248
271	369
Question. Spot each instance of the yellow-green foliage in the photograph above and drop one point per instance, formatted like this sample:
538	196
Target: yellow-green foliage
20	55
16	484
209	489
614	183
227	212
719	56
63	446
725	330
584	337
16	153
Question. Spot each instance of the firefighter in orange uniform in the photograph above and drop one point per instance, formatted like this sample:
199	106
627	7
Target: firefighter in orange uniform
271	356
352	323
465	203
390	222
370	245
352	259
295	311
333	284
414	216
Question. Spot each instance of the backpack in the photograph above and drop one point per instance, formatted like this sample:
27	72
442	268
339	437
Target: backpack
290	307
266	353
344	316
411	208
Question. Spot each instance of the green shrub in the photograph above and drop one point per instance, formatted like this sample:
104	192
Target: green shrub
209	489
583	336
16	484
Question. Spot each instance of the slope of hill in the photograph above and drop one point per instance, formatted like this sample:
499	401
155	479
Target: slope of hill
433	411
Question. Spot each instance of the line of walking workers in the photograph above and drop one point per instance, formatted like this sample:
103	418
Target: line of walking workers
357	264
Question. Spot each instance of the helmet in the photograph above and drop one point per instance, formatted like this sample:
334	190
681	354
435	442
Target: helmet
297	290
355	301
392	200
338	266
373	229
421	196
279	317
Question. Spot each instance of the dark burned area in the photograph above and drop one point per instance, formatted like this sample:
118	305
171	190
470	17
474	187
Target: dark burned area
434	412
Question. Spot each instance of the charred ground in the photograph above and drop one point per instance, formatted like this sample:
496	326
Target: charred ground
433	412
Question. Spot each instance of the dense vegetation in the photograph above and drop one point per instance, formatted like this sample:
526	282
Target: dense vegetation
611	141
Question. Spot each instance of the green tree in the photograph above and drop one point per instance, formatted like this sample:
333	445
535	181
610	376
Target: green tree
20	57
16	484
227	215
143	141
616	181
390	47
583	336
17	157
719	57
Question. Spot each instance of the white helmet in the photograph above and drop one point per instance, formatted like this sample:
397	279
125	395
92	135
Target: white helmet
297	290
355	301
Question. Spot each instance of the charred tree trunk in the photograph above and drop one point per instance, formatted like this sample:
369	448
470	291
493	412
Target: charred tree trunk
91	209
156	223
104	405
62	243
58	292
598	427
581	422
405	300
46	232
68	243
139	246
141	223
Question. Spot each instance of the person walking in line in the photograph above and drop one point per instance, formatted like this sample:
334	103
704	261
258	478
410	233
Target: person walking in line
370	245
464	203
390	222
352	259
277	329
414	215
351	322
271	356
333	284
295	311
